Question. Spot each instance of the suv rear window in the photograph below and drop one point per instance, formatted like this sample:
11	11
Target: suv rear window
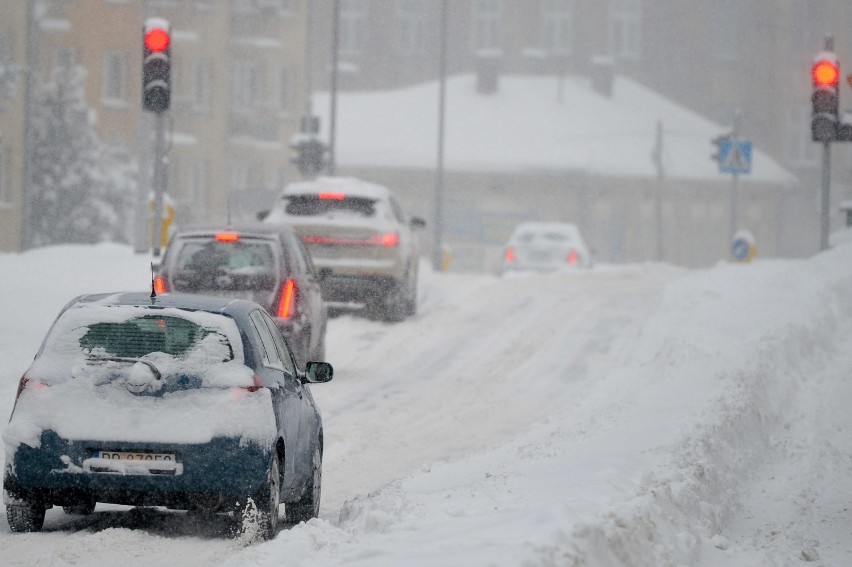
237	258
314	205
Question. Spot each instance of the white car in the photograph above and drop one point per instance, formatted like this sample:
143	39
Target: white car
545	246
360	240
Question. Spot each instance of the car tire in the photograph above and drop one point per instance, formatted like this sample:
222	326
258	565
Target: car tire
25	517
82	509
308	506
266	501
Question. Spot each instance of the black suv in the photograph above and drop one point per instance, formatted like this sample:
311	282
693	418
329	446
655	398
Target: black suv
265	264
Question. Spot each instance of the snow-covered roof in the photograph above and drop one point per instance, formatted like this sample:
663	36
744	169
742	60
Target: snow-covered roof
533	122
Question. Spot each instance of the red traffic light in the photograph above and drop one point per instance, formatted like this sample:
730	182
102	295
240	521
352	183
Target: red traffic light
157	40
825	74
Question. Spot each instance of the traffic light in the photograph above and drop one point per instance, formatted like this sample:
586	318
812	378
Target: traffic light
310	156
156	64
826	77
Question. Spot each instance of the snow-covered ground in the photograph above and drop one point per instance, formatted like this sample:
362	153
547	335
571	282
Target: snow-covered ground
629	415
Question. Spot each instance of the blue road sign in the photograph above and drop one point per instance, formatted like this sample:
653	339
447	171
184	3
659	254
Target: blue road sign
740	249
734	156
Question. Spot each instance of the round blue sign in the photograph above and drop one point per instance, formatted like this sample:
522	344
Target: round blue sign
740	249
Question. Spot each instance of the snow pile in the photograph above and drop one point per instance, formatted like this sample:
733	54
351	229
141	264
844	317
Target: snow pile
620	416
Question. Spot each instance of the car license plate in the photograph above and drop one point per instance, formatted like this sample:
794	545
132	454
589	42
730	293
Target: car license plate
130	456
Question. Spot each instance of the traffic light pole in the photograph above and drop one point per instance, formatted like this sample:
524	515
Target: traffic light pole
825	198
159	178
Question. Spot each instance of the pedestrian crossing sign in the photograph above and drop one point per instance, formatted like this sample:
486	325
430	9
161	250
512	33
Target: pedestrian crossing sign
734	156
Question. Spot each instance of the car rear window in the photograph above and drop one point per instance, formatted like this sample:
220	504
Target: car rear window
145	335
546	236
316	205
244	257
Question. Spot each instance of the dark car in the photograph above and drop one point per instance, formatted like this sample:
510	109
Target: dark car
182	401
266	264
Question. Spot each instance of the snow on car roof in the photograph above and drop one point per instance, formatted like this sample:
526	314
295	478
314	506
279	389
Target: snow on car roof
349	185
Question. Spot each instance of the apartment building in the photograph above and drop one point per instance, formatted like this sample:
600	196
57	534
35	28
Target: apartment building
238	82
13	40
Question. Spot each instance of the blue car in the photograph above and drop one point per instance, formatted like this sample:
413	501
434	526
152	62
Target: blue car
183	401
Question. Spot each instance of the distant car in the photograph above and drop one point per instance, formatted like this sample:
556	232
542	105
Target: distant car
177	400
545	246
264	263
357	232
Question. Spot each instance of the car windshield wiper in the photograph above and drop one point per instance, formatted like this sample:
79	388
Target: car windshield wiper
127	360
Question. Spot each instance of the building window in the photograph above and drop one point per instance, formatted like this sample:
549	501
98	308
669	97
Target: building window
65	58
201	86
802	150
726	30
287	89
5	193
412	20
558	26
486	20
353	18
114	78
625	28
248	85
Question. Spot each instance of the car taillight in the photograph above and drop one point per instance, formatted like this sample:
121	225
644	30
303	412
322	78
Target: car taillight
386	239
243	391
258	384
227	237
509	255
572	257
287	302
28	383
160	285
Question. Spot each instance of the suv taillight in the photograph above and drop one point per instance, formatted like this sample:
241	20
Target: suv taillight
160	285
27	382
573	258
509	255
287	301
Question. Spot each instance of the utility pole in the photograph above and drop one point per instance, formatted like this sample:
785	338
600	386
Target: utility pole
735	134
29	127
438	252
657	158
332	122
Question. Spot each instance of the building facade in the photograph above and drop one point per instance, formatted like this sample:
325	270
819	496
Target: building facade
238	91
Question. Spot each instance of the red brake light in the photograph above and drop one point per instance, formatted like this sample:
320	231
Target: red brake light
227	237
27	382
160	285
287	303
509	256
258	384
573	258
389	239
328	196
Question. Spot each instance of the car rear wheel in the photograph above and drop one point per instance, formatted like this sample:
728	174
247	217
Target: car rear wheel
308	506
25	516
263	506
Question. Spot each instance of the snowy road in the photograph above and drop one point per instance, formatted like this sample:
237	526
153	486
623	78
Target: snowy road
635	415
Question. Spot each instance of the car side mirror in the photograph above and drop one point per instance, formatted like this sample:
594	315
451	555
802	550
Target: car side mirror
261	215
318	372
417	222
